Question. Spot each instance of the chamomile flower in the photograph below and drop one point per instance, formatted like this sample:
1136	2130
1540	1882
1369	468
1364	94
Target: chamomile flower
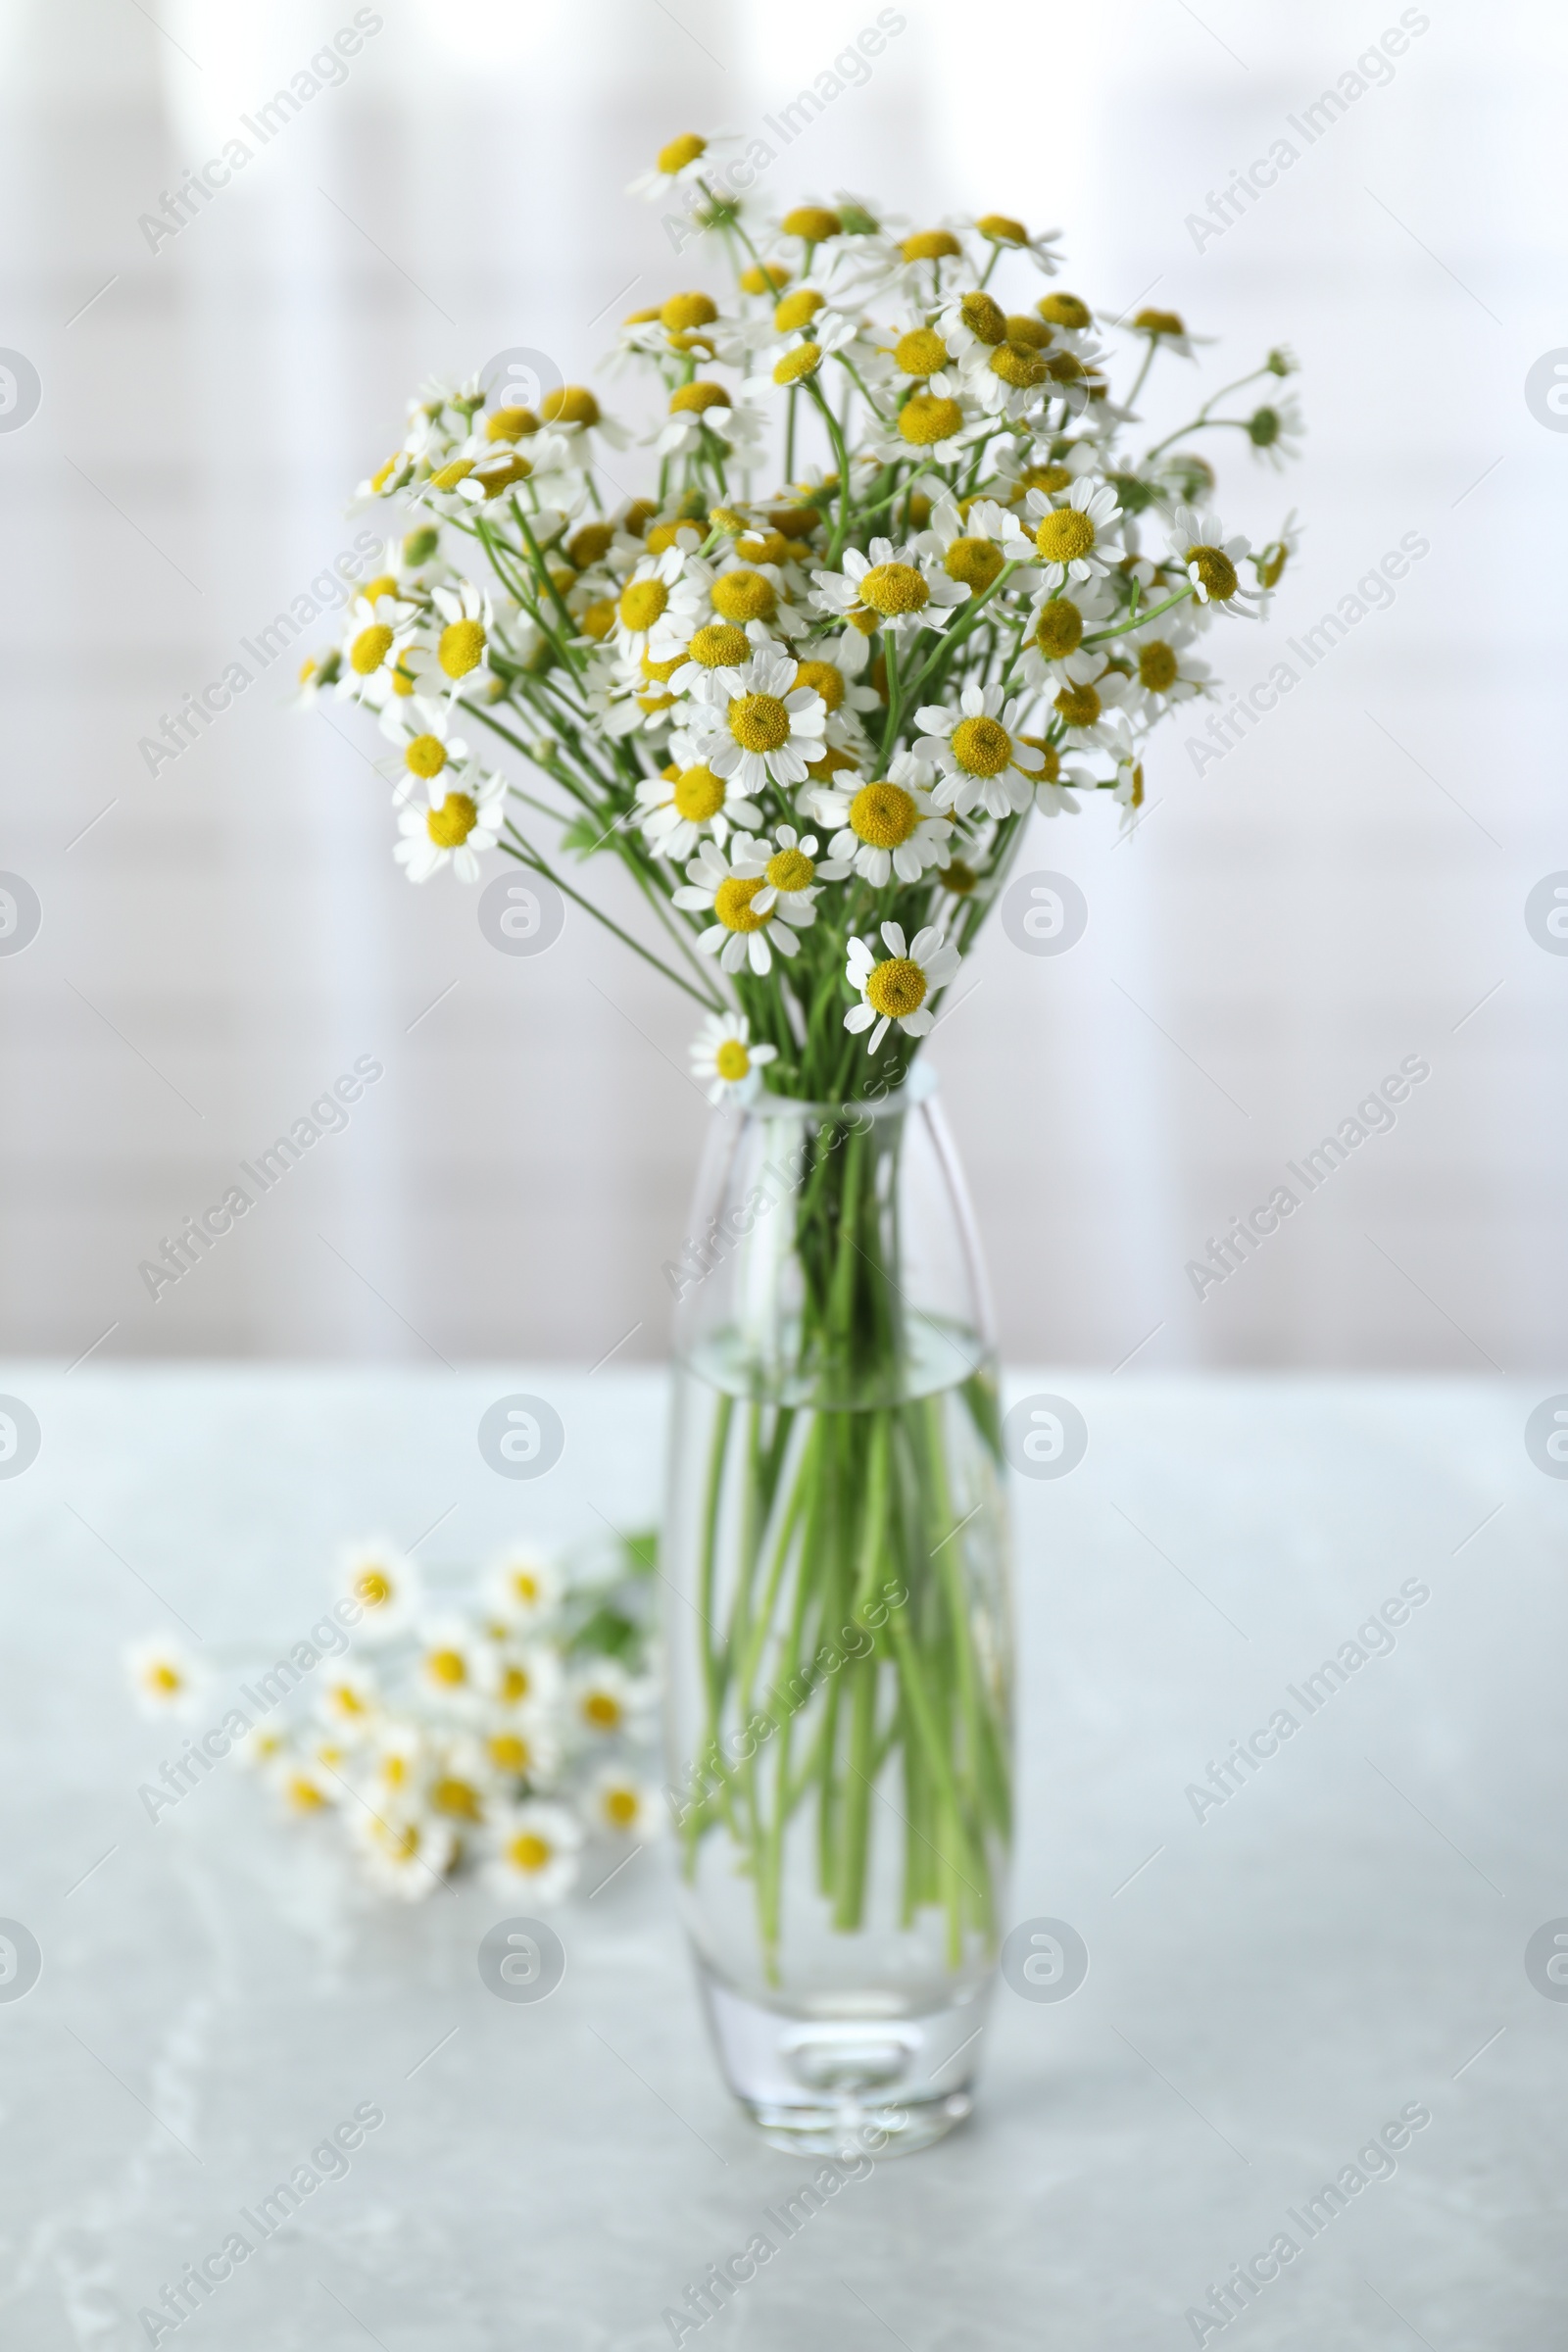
1166	330
743	933
725	1061
460	1782
791	871
1275	431
1209	560
516	1674
460	822
164	1677
624	1806
384	1585
681	163
534	1854
1076	534
703	407
448	1664
679	804
711	645
1057	782
302	1782
835	669
520	1746
524	1588
888	827
890	588
1090	714
975	548
427	748
378	638
459	658
1055	651
349	1696
572	413
1000	229
606	1700
898	987
1167	673
935	427
984	760
406	1854
756	724
645	600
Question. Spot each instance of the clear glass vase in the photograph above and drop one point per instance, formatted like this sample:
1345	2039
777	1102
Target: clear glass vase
838	1619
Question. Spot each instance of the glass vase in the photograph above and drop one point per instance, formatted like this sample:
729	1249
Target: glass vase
838	1619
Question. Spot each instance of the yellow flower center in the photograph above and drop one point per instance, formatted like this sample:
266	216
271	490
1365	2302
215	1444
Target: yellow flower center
662	535
383	473
803	361
883	815
1050	478
1019	365
744	596
510	424
508	1751
821	677
769	546
732	1061
925	419
896	988
1078	706
382	585
305	1795
1156	667
599	1707
589	544
529	1852
461	647
642	604
984	317
699	795
371	648
719	647
572	404
1059	630
684	311
1064	309
598	622
958	878
497	475
1064	535
1021	328
374	1589
930	245
402	680
1050	756
1064	368
165	1678
620	1807
797	309
981	747
732	904
451	475
451	1795
425	756
812	221
447	1666
695	397
829	765
1159	322
759	722
449	825
890	588
765	278
920	353
1216	571
975	561
1001	229
790	870
681	152
659	673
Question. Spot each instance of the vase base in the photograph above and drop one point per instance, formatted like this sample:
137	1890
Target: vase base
862	2080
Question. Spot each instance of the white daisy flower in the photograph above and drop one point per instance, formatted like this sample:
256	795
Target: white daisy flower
397	1765
835	669
524	1588
888	827
522	1746
456	827
349	1696
535	1851
1076	534
703	407
259	1748
406	1854
900	985
998	229
1090	714
1054	653
984	762
976	548
526	1674
891	588
711	645
459	658
743	934
461	1782
645	600
426	746
1166	330
605	1698
377	637
301	1781
792	872
1057	782
1275	431
448	1661
679	803
680	165
754	724
936	427
749	597
725	1061
385	1584
624	1806
1209	560
1167	671
165	1678
572	413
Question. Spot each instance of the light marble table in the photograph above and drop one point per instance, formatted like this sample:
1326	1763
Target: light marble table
1269	1985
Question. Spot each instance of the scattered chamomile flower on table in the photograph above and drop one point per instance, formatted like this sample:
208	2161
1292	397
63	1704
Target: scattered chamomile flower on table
165	1678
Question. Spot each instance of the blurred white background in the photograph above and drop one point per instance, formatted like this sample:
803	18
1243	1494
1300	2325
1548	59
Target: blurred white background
1343	890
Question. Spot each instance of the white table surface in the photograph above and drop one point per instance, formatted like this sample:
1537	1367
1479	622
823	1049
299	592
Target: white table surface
1335	1942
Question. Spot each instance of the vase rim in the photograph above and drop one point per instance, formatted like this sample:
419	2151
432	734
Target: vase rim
919	1085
